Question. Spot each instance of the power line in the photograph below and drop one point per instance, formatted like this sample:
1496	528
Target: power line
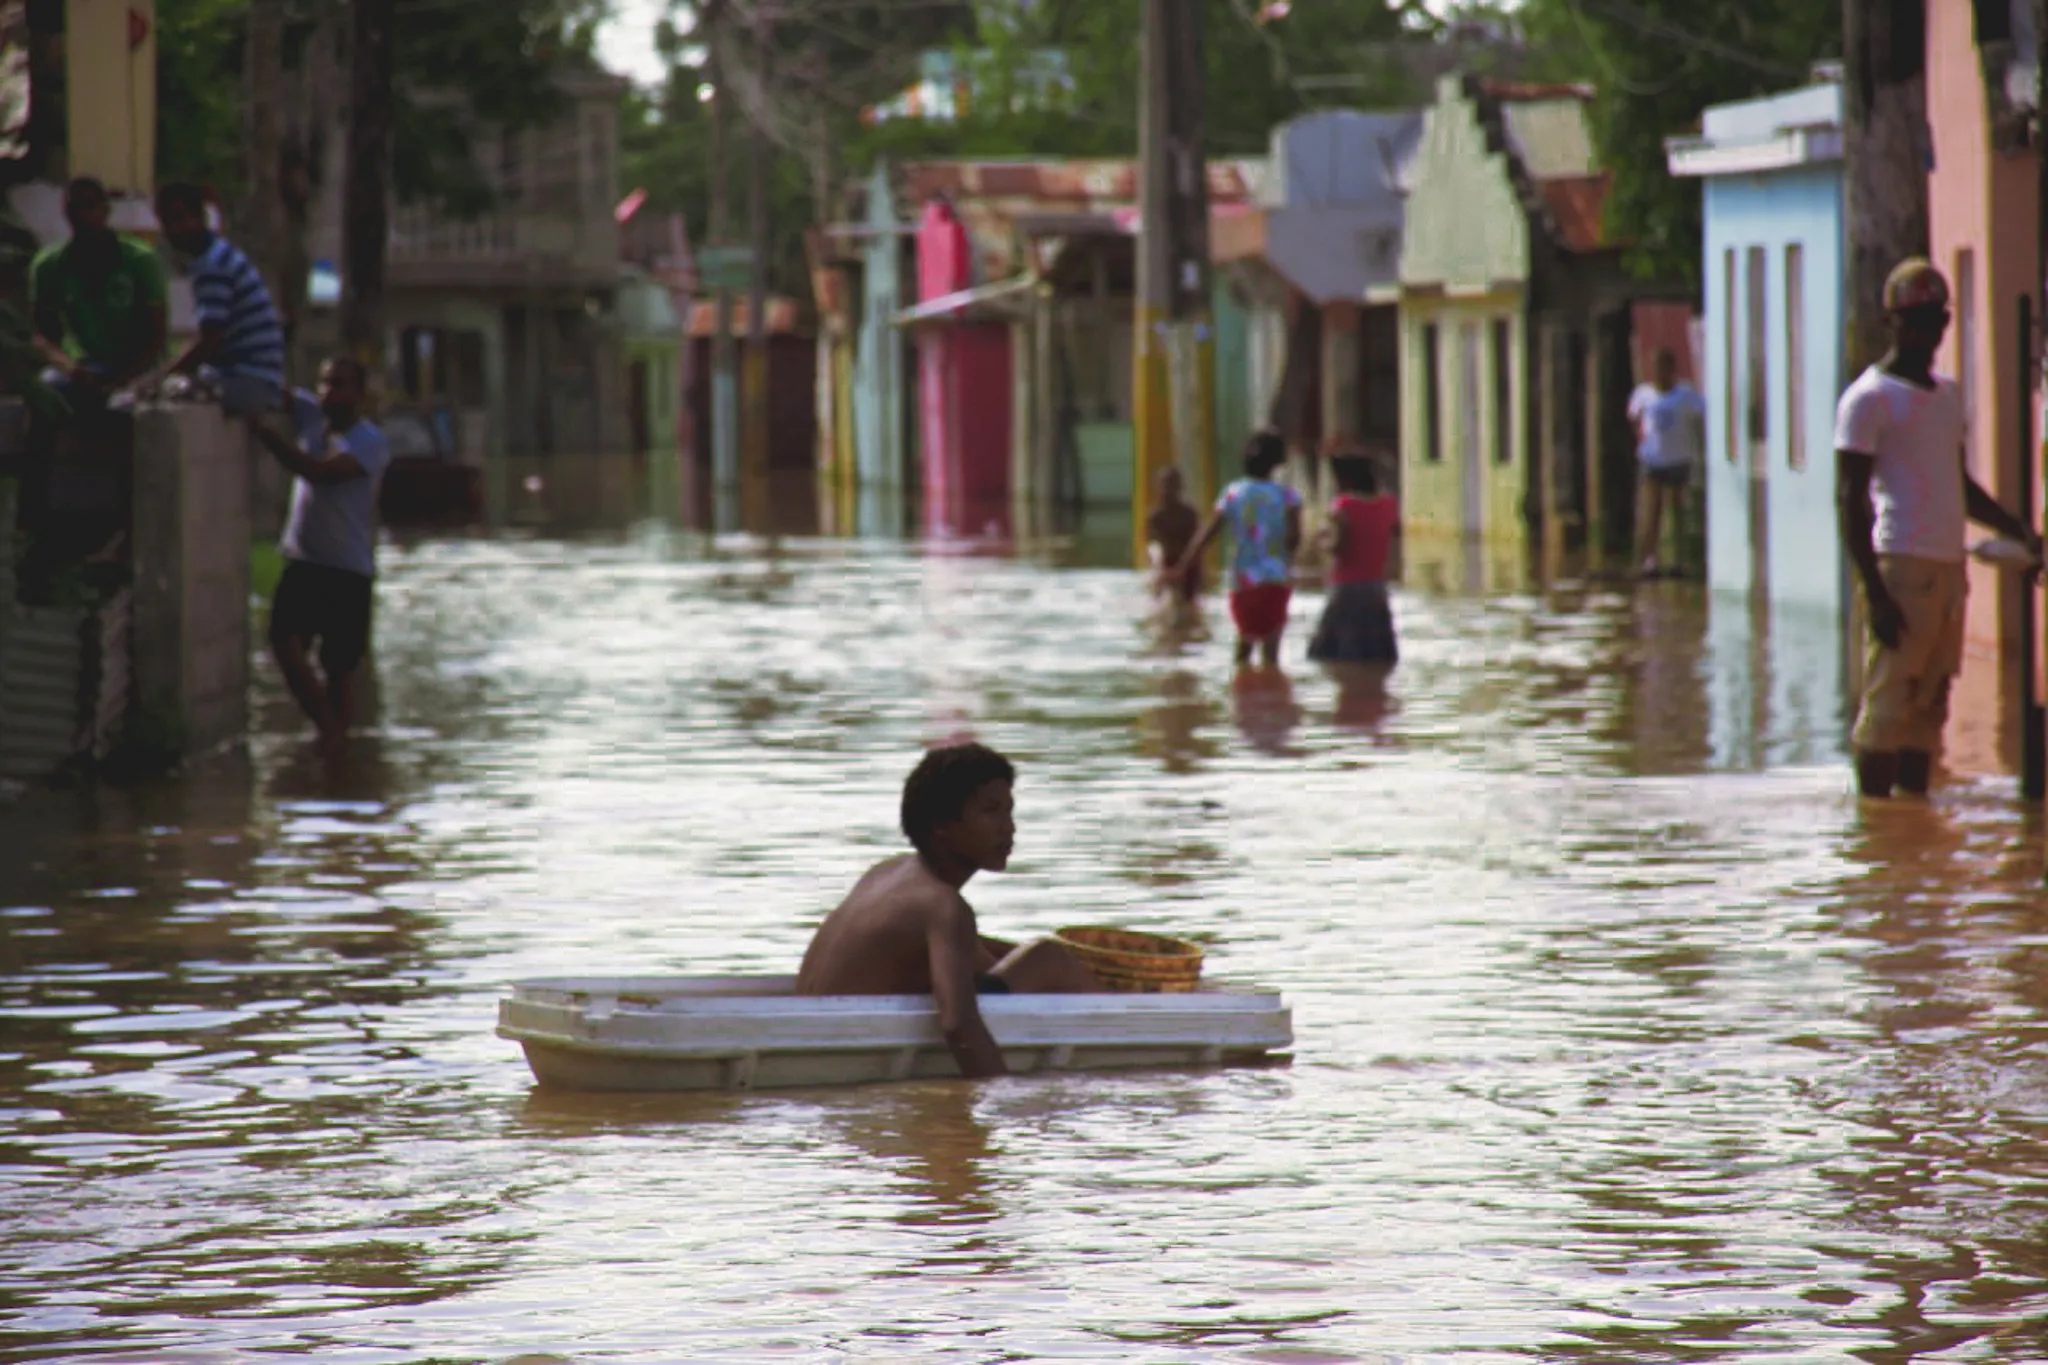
1657	26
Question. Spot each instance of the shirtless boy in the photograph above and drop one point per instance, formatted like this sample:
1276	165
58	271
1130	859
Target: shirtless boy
905	929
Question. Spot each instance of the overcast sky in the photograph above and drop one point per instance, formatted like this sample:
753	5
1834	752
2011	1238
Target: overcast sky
626	42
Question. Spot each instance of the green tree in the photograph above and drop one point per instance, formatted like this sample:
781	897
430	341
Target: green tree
1258	73
1657	64
500	57
835	58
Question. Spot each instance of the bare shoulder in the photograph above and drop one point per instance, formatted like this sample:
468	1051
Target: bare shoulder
904	889
934	902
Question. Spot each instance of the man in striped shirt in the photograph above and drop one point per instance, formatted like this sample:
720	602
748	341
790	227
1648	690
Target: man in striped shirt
241	343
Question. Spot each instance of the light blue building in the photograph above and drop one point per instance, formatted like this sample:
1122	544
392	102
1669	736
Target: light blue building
1772	277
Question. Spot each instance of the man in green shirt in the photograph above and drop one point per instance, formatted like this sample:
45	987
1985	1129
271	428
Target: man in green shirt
100	301
100	306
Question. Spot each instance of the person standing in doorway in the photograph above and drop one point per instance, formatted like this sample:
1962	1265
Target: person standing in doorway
1906	498
240	347
1670	422
329	545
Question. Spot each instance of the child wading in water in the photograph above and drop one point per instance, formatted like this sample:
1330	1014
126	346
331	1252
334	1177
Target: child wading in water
1168	530
1265	532
1357	626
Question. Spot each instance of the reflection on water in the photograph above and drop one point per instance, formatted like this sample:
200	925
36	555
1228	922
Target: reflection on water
1623	1033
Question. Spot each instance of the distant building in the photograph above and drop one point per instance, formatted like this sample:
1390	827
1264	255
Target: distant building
1518	325
1321	362
507	321
1984	231
1772	272
1772	267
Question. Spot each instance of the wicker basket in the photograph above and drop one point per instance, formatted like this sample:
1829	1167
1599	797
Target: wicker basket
1126	960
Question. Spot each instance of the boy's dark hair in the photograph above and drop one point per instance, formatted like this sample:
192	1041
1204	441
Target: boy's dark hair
86	189
943	782
181	194
1264	453
342	360
1356	472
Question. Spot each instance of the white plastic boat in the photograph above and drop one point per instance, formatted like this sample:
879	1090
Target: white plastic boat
755	1032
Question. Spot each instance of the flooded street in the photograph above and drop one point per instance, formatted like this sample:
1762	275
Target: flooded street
1622	1034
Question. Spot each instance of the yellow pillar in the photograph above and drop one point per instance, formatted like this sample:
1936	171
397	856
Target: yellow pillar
110	92
1152	444
1198	449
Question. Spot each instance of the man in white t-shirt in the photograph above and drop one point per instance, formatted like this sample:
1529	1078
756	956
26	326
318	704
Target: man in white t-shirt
1899	445
1670	422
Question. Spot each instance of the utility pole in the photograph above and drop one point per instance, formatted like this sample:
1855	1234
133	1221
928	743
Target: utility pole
1174	346
2033	472
754	481
1885	144
725	453
1884	209
366	208
264	235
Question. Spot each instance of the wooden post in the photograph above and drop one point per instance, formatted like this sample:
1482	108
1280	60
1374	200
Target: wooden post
1884	136
2033	736
1174	353
263	237
1884	200
725	459
755	484
2034	724
366	222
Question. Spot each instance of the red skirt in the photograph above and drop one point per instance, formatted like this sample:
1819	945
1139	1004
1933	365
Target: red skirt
1260	610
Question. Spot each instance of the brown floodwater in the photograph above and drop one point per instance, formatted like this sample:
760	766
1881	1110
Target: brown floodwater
1623	1034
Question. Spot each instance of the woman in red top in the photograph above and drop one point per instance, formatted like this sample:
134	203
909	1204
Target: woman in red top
1357	625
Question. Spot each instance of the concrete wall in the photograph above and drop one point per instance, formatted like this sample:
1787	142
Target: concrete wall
1801	548
1982	212
191	595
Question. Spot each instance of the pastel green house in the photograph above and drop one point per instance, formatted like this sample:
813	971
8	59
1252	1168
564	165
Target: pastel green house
651	343
1517	325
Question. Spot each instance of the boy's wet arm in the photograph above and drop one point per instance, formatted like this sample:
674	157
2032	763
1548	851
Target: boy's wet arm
954	945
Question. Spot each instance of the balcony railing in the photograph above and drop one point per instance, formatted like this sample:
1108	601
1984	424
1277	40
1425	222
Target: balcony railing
524	240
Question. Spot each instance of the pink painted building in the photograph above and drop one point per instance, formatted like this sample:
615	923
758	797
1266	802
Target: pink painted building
1983	194
963	392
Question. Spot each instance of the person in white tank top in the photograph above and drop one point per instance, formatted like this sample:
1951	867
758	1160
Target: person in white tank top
1906	498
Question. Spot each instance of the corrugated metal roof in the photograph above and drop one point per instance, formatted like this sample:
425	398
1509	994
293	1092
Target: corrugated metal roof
1515	92
1577	204
1551	137
989	197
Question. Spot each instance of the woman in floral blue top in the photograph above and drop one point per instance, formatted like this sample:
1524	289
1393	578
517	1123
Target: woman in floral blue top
1265	532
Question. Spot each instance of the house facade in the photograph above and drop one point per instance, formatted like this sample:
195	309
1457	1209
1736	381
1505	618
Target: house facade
1320	363
1771	172
508	321
1517	326
1983	232
1037	283
1463	291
